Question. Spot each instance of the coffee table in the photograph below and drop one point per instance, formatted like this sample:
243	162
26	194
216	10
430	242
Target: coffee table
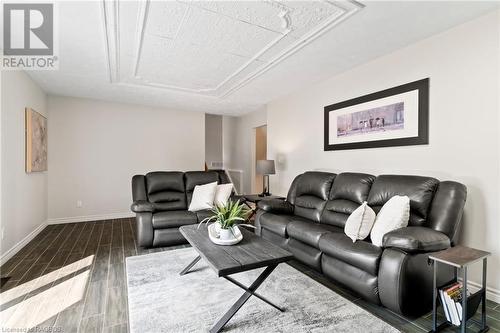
251	253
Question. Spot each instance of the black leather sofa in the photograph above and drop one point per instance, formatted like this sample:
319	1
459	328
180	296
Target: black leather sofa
161	200
309	223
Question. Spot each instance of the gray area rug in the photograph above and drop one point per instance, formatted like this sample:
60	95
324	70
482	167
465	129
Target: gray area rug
162	301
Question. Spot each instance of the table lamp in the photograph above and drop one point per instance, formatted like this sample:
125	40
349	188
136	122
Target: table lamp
265	168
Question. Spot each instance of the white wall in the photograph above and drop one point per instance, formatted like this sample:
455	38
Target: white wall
24	196
463	67
213	139
96	147
239	144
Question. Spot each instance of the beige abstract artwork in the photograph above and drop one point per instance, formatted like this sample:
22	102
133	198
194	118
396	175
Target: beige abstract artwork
36	141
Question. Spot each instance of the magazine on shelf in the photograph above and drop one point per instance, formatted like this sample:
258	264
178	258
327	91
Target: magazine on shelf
451	298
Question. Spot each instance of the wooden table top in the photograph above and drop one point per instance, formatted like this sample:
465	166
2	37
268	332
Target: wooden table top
459	256
251	253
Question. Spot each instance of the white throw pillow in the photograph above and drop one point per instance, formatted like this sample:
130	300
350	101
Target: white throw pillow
360	222
222	194
203	197
393	215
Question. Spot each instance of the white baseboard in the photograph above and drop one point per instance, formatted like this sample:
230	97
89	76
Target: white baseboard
12	251
491	293
87	218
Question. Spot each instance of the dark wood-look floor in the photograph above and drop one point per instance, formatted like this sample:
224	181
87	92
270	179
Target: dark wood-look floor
102	306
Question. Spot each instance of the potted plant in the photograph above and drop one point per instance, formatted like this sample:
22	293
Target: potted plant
226	216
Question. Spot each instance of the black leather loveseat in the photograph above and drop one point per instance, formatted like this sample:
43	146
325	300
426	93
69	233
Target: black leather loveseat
309	223
161	200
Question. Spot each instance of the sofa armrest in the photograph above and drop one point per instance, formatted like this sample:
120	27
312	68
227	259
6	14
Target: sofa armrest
276	206
416	239
141	206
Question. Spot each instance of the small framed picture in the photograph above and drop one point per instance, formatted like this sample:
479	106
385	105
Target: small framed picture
397	116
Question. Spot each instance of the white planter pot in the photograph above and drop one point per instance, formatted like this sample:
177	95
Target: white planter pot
226	234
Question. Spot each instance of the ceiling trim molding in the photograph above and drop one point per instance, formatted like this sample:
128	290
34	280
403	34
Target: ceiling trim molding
111	22
142	19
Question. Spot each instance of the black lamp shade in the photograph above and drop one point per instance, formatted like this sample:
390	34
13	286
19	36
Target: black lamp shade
265	167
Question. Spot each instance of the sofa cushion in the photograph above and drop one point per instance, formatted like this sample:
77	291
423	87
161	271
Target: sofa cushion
165	190
274	238
361	254
351	186
419	189
337	211
309	232
222	174
416	239
358	280
349	190
311	193
158	181
305	253
315	183
447	208
172	219
309	207
275	222
292	192
276	206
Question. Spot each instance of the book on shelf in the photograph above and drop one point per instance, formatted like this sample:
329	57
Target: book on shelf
451	299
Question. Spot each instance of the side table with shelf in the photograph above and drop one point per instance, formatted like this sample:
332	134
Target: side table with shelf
460	257
254	199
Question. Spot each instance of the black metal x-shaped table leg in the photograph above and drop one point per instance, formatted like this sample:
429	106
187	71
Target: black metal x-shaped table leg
188	267
242	300
230	279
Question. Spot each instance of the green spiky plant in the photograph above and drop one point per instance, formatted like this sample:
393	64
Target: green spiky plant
228	215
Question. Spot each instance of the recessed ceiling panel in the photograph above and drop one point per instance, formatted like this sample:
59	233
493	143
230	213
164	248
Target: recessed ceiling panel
214	48
178	63
165	18
264	14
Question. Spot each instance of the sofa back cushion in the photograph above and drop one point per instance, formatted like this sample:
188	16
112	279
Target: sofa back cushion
447	208
311	194
292	192
193	178
223	177
419	189
165	190
349	191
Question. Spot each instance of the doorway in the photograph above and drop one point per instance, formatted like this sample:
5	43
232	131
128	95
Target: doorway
260	154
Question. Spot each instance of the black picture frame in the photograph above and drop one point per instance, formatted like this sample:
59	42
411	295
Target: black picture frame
423	118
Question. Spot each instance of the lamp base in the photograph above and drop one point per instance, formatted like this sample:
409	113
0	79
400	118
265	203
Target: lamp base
265	186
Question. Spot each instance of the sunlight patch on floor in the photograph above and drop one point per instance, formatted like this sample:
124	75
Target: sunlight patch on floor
36	309
44	280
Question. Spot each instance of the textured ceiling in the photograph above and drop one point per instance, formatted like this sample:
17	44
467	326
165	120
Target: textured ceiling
229	57
216	48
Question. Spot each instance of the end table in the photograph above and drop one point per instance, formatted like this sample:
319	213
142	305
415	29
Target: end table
461	257
255	198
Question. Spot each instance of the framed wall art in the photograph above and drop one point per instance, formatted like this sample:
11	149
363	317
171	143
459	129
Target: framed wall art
397	116
36	141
